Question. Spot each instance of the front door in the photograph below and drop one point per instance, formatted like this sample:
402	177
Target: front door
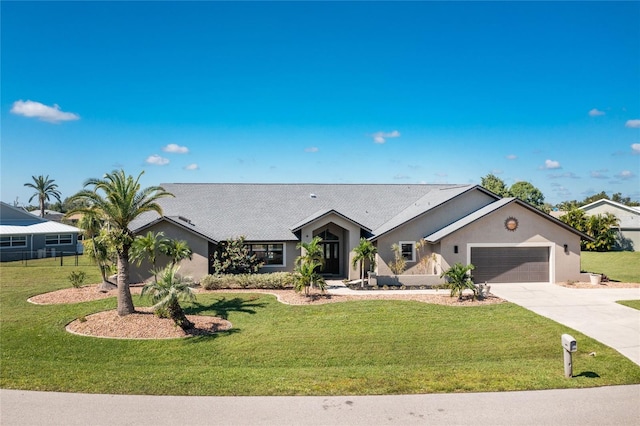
331	258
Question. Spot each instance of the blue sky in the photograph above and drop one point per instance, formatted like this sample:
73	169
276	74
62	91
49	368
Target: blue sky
335	92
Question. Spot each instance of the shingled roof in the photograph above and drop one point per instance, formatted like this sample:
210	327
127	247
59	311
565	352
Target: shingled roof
271	212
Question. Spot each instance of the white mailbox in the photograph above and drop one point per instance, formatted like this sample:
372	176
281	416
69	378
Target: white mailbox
569	343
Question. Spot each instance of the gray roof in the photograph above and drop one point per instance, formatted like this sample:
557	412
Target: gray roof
270	212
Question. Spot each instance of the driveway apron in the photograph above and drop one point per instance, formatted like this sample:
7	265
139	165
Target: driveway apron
593	312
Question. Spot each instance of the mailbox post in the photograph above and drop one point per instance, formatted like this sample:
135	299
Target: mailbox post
569	346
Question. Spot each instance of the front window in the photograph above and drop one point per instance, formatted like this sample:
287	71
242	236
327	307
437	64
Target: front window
408	250
58	239
13	241
269	254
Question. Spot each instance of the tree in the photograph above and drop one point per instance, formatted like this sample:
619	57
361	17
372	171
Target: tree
311	251
600	227
167	292
45	189
458	279
147	247
119	200
177	250
101	251
364	252
233	257
528	193
495	185
307	276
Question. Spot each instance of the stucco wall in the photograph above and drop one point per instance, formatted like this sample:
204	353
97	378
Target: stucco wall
196	268
533	230
426	224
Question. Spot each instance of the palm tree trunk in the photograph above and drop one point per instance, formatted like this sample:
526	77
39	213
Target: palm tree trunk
125	302
179	318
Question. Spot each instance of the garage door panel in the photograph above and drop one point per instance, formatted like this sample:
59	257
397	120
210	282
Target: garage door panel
510	264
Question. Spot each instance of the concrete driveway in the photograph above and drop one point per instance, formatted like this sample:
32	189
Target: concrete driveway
590	311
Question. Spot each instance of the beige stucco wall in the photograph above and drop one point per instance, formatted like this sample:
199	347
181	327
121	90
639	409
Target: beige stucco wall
196	268
349	235
424	225
533	231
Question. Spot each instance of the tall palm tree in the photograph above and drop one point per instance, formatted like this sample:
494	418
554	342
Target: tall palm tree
45	188
364	252
119	199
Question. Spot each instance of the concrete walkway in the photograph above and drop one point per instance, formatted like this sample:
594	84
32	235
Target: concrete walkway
590	311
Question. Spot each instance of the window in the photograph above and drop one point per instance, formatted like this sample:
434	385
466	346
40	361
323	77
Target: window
58	239
14	241
269	254
408	250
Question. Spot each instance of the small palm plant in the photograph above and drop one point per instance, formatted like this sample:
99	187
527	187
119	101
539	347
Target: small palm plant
177	250
364	252
307	276
458	279
166	293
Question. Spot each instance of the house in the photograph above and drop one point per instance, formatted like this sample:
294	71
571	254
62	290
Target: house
628	237
26	236
49	215
434	225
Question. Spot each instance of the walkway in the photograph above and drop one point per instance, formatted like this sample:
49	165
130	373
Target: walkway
591	311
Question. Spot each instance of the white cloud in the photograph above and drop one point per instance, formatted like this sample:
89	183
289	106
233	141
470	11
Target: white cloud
175	148
569	175
596	112
599	174
157	160
551	164
381	137
626	174
192	166
311	149
635	124
635	148
511	157
32	109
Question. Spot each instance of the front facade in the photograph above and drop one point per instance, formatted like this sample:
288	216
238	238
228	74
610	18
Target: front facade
434	225
26	236
628	232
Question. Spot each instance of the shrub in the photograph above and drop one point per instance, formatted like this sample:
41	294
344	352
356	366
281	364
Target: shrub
233	257
399	263
273	281
77	278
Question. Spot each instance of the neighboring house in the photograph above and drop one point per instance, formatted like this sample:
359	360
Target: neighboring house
49	215
629	221
26	236
506	239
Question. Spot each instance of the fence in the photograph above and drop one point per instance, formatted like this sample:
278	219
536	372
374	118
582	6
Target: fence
40	258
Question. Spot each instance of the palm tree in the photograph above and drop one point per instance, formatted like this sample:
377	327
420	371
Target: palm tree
307	276
458	279
147	247
364	252
120	203
45	188
167	292
177	250
311	251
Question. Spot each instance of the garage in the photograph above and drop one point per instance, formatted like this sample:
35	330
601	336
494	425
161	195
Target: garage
510	264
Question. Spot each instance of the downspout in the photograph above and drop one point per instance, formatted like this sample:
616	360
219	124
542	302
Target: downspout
31	246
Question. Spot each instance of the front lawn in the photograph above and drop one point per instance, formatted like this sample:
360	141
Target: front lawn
623	266
635	304
363	347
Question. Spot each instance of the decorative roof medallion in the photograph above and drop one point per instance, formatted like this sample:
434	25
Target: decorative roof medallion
511	224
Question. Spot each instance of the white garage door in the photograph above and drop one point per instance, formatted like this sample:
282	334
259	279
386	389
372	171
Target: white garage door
510	264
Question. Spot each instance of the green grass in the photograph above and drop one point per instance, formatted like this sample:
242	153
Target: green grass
635	304
623	266
365	347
